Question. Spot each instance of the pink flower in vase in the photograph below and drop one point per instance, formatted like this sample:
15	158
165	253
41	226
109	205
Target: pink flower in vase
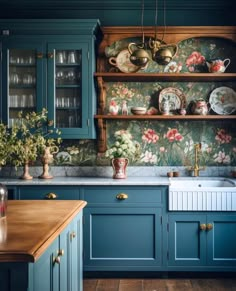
113	107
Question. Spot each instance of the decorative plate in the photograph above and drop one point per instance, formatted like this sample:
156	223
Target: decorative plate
123	63
175	98
223	100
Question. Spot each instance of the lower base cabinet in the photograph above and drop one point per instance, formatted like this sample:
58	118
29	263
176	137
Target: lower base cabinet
123	228
122	239
59	267
202	241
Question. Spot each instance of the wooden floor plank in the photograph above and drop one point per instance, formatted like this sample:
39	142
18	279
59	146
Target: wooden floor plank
89	285
108	284
154	285
131	285
214	284
228	284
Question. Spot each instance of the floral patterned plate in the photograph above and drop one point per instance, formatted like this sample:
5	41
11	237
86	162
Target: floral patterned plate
223	100
175	98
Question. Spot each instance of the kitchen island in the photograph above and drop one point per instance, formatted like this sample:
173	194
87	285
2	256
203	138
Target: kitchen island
41	246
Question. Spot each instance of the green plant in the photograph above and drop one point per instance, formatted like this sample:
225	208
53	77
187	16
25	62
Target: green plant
124	146
3	144
28	138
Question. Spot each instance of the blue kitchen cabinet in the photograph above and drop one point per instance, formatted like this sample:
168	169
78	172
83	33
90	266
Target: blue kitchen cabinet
71	267
123	228
58	268
50	64
202	241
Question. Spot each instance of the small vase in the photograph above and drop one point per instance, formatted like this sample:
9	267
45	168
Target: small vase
119	167
47	159
26	175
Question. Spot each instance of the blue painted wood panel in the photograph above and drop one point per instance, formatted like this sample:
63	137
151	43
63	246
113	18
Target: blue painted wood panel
122	239
221	240
187	244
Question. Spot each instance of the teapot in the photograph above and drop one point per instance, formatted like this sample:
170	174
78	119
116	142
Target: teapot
218	65
139	56
200	107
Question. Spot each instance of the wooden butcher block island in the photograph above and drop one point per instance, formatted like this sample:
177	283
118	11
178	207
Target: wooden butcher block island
41	246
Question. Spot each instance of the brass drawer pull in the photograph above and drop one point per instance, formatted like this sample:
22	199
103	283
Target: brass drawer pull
122	196
51	196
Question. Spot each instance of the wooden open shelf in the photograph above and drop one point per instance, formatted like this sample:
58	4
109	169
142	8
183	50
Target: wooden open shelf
167	77
172	35
165	117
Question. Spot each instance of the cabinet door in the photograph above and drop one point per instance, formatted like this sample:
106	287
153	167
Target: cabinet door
221	250
71	261
69	92
44	274
122	239
22	83
187	242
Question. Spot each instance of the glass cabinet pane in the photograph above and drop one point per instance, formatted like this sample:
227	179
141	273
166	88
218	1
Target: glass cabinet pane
21	83
68	89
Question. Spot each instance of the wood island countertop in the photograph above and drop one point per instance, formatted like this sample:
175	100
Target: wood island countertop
32	225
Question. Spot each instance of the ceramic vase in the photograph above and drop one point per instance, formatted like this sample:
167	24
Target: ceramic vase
119	166
26	175
47	159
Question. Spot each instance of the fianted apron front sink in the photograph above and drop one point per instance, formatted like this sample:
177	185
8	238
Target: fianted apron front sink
202	194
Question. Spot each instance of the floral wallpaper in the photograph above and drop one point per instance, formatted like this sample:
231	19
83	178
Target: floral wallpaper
168	142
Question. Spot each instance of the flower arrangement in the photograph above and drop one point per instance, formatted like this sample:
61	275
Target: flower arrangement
26	139
124	146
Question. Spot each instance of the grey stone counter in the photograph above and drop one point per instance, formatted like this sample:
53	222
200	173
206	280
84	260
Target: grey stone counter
88	181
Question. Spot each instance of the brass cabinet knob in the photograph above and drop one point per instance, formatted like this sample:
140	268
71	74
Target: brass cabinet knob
56	260
72	235
39	55
60	252
50	55
209	226
51	195
122	196
203	226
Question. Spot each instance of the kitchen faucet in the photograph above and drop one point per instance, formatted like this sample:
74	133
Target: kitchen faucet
196	168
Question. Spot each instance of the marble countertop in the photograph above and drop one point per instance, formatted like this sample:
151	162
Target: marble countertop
101	181
88	181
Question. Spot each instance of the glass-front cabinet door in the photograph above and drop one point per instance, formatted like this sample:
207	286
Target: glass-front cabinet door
68	87
23	85
50	64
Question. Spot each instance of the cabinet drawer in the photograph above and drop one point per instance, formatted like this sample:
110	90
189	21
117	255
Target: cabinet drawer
124	195
49	192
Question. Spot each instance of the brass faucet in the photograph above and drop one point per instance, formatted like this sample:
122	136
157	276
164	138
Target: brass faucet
196	169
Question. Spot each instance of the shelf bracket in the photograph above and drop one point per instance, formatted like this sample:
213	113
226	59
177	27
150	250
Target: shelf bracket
101	95
102	139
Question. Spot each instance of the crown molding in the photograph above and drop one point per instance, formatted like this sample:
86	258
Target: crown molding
119	4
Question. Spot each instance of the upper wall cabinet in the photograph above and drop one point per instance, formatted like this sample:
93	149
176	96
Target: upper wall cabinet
50	64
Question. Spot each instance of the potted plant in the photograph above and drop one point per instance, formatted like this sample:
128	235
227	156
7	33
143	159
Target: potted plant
28	138
123	150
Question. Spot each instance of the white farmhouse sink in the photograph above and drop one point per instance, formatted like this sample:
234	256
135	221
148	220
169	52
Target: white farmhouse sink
202	194
201	182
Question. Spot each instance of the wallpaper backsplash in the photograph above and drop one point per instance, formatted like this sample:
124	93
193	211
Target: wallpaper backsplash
166	143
